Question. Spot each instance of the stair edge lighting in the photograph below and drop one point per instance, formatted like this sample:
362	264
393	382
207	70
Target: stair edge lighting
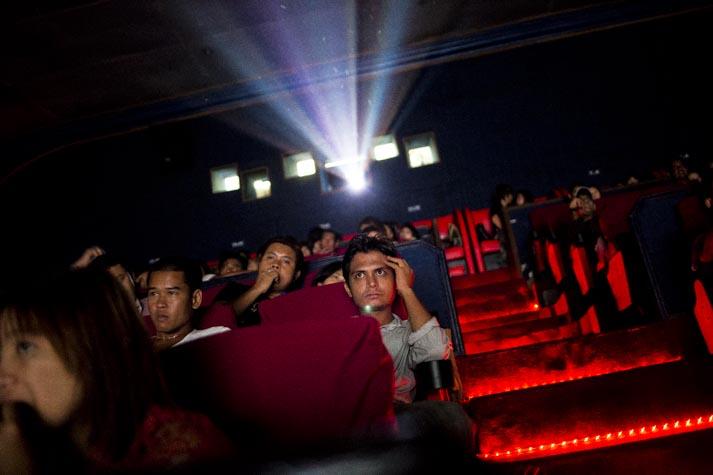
602	439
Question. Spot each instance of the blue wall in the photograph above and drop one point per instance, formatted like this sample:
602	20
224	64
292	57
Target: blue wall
535	117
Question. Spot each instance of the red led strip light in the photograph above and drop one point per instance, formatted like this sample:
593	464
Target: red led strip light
507	389
593	442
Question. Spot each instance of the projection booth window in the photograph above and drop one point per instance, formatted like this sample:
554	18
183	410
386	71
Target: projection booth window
384	147
298	165
421	150
257	184
225	178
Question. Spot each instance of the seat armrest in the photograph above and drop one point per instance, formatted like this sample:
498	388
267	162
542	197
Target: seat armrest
434	380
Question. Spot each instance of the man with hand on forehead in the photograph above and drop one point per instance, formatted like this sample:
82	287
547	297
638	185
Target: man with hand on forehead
279	266
373	275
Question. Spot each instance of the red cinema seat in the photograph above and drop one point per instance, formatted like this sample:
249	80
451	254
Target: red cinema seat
618	281
556	265
220	314
328	302
485	246
348	237
288	384
210	293
455	252
581	267
704	313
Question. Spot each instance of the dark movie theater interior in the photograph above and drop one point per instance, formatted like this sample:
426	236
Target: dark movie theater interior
378	236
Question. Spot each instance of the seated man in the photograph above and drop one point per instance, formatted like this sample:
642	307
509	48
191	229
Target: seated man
173	295
279	267
373	274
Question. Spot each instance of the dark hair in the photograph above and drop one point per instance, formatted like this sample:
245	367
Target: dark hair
583	191
105	261
370	221
192	274
502	190
288	241
93	327
337	236
526	194
413	229
365	244
314	235
370	229
239	256
325	272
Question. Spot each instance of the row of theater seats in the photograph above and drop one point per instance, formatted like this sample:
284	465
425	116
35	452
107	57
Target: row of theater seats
549	258
432	284
537	230
457	232
312	371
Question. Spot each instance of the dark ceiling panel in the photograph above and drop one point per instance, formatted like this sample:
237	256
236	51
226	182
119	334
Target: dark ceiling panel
67	62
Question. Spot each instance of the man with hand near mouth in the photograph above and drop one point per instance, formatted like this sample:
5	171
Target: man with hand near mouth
279	267
173	295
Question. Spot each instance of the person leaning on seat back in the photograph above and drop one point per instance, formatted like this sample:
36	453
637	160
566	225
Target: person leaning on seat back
280	262
373	274
79	387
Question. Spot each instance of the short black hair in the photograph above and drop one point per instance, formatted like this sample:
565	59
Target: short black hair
371	229
337	236
191	270
584	191
364	244
370	221
413	229
325	272
288	241
239	256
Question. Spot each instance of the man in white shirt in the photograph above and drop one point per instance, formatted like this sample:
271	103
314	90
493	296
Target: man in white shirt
173	295
373	274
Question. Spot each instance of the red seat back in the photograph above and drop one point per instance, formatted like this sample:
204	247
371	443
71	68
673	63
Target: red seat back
327	302
293	383
704	314
481	247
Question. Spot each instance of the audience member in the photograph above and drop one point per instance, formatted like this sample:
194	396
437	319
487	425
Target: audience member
373	275
279	269
314	236
80	390
232	263
408	232
96	258
328	242
502	198
329	274
306	249
391	231
373	231
371	221
523	197
173	295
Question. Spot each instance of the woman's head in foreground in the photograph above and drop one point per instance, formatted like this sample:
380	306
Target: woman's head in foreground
75	351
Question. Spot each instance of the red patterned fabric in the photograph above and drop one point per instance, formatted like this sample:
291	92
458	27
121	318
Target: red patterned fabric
171	437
